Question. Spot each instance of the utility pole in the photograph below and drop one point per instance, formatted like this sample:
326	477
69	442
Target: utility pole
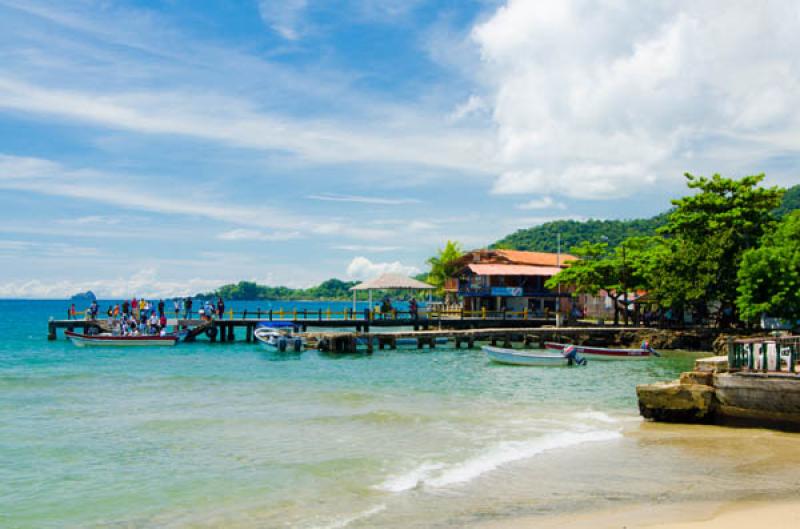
558	264
624	284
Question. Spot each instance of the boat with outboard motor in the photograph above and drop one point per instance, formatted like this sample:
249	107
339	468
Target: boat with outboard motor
279	337
607	353
502	355
110	340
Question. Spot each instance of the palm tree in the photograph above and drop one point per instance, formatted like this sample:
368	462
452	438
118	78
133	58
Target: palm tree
443	265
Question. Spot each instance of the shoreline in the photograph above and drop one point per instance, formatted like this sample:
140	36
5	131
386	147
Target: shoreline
782	513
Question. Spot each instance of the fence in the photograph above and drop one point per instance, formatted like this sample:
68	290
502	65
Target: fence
764	354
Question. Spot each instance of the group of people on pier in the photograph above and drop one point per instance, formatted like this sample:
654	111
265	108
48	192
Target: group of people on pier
139	316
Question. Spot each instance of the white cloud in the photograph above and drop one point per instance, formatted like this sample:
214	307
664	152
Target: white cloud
333	197
473	105
46	177
542	203
362	268
365	248
234	121
146	283
599	99
285	17
243	234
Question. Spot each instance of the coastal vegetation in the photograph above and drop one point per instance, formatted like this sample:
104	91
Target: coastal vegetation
722	255
332	289
443	265
543	238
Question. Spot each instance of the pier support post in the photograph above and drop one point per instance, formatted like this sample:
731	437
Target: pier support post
249	333
507	340
471	342
231	333
51	330
370	348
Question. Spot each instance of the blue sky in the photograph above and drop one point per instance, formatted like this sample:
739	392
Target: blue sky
167	147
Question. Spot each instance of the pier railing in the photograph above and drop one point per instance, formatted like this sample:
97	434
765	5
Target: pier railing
764	355
348	314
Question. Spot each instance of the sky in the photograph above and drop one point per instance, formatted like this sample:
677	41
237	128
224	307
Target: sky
164	148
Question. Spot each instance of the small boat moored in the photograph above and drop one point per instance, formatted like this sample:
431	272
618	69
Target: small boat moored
278	337
531	358
606	353
109	340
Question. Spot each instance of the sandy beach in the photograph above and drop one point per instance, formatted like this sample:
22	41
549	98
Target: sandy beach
779	514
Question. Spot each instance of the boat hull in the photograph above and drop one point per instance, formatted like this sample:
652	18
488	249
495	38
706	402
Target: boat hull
276	342
520	358
85	340
602	353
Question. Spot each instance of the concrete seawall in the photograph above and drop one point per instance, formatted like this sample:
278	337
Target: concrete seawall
711	394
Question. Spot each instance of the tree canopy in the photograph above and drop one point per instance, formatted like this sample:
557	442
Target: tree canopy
443	264
769	278
707	233
332	289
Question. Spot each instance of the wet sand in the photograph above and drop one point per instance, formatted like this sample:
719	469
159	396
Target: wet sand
780	514
761	489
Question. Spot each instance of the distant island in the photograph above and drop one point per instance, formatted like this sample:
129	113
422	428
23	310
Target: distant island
330	290
84	296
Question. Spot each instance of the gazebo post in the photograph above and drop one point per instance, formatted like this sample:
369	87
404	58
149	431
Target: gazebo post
354	300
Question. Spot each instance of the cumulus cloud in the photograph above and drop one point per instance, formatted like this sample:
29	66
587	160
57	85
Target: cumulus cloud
598	99
146	283
542	203
362	268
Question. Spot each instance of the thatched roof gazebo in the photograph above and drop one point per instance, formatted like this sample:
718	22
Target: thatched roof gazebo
389	282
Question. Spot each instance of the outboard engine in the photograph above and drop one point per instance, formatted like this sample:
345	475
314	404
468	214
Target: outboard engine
283	343
571	354
298	344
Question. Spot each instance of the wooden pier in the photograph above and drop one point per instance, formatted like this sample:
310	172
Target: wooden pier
346	334
224	329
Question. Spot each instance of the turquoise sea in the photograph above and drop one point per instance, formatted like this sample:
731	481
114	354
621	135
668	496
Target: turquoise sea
229	436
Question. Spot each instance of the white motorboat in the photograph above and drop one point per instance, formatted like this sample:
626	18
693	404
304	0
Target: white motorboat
606	353
502	355
279	339
109	340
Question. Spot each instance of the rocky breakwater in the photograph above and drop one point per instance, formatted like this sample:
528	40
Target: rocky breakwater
713	394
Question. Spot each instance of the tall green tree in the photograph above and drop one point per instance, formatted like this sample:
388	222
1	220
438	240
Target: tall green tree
443	265
707	233
769	278
615	271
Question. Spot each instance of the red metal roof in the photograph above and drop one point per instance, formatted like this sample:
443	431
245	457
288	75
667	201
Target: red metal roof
535	258
513	270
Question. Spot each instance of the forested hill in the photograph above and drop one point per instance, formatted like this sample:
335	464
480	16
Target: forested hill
331	289
543	238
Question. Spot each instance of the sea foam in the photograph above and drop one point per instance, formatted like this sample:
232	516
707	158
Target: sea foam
436	475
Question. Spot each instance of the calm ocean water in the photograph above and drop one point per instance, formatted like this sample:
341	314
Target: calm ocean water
226	435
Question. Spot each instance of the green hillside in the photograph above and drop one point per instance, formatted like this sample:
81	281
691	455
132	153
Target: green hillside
543	238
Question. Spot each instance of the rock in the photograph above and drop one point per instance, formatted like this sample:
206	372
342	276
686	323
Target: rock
84	296
697	377
676	402
712	364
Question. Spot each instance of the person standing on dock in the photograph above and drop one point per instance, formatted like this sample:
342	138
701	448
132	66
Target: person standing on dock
413	309
188	309
220	307
160	307
176	303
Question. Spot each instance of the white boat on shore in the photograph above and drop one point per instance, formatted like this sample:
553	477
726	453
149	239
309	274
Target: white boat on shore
605	353
109	340
279	339
531	358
